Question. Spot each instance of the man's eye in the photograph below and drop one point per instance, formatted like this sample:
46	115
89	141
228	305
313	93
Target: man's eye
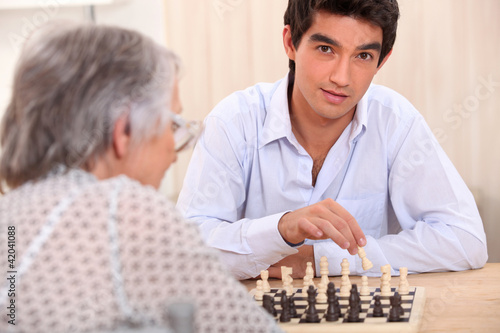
365	56
325	49
175	126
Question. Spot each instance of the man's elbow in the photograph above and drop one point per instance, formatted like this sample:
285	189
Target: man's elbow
478	256
475	249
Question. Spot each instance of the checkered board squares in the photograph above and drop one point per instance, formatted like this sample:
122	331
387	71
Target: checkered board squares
413	305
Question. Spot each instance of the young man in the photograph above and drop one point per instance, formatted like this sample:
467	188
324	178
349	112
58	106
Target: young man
323	161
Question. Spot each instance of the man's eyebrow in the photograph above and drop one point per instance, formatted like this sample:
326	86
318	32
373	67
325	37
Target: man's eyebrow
324	39
375	46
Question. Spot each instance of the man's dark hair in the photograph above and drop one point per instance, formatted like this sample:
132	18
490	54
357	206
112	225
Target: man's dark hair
383	13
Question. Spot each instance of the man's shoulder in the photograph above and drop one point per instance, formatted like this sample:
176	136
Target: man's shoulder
252	99
387	97
385	102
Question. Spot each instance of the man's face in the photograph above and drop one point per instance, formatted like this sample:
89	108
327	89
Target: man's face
335	63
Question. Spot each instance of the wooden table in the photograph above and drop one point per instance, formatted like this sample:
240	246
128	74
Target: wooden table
467	301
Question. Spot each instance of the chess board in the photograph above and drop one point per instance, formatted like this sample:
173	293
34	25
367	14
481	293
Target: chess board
413	305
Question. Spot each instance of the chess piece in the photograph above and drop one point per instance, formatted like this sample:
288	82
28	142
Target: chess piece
321	298
345	286
311	312
385	286
323	264
354	295
292	309
354	305
397	301
310	274
377	308
288	285
268	304
344	267
365	290
259	293
365	262
285	271
333	310
181	317
264	275
404	286
345	283
285	308
273	307
307	283
394	314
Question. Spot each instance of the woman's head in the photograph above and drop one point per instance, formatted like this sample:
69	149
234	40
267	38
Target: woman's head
72	84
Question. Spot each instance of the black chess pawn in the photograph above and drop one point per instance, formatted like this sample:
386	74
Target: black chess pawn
285	308
273	305
377	308
268	304
353	314
333	310
354	305
394	311
291	306
355	296
311	312
397	297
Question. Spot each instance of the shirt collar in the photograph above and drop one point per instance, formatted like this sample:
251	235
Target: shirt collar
359	122
277	124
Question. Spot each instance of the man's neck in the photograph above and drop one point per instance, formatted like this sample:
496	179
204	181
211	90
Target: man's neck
315	133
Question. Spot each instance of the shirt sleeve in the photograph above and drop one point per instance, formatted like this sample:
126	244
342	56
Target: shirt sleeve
435	225
214	195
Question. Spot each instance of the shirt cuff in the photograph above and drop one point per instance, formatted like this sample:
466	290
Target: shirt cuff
265	240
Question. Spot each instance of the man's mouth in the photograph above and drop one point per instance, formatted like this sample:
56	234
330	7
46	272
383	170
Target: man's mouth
334	97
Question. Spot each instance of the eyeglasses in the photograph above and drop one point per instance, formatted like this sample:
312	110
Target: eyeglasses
185	132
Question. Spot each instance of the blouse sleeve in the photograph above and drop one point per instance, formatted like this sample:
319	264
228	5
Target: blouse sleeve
165	261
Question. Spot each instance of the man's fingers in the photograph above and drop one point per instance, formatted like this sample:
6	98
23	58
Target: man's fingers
352	224
332	224
326	229
310	229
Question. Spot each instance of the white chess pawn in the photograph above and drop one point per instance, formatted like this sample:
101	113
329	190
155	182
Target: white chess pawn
345	286
404	286
259	293
365	290
323	264
345	267
288	285
321	298
365	262
307	283
345	283
265	283
385	286
310	273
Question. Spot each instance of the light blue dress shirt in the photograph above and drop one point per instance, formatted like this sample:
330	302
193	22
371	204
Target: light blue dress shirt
387	169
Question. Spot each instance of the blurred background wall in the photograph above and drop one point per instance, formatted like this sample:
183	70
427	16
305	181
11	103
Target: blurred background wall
445	61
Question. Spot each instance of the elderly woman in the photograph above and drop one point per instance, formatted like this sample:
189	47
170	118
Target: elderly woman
89	132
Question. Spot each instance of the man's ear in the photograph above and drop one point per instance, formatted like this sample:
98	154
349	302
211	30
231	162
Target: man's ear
384	60
288	43
121	137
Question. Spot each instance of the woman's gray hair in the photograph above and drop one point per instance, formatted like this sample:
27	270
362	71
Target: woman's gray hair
71	84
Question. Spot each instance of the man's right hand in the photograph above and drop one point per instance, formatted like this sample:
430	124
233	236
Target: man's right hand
323	220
